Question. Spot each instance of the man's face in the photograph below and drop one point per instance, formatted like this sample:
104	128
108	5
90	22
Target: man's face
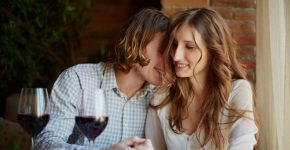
152	72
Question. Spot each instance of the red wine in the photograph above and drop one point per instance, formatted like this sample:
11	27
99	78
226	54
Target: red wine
91	126
32	124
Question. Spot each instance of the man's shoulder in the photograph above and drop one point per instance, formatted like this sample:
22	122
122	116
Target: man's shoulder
83	72
87	68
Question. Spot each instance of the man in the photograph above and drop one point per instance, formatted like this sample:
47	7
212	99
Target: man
127	77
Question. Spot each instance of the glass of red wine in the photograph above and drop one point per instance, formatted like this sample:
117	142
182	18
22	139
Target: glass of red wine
92	118
31	111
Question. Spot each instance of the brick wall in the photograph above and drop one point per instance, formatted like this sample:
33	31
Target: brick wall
241	18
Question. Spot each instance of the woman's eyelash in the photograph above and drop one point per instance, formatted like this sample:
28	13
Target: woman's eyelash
190	47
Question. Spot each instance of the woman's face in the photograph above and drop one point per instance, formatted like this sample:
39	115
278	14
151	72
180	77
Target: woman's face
189	52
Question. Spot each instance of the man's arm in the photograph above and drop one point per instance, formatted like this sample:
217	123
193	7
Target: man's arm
62	108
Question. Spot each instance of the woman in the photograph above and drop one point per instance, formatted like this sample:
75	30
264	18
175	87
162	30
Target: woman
208	102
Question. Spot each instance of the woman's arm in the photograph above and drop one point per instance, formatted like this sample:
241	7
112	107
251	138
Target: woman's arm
153	130
243	130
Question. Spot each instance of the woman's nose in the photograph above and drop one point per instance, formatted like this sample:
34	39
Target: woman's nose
178	54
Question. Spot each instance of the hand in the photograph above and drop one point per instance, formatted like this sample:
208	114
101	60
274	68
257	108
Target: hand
146	145
134	143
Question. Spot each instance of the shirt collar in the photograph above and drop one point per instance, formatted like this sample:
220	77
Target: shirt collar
108	77
109	82
146	91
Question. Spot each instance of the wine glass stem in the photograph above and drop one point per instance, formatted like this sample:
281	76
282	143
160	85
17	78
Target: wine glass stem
32	144
91	142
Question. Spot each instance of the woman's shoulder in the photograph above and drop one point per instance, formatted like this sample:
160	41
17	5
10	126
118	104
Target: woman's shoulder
241	83
241	95
158	97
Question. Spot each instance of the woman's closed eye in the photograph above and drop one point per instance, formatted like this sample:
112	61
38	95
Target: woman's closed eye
190	46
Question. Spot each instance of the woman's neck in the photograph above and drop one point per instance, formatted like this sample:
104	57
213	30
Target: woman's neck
129	83
199	83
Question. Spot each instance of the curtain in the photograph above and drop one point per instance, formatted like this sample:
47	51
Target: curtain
273	73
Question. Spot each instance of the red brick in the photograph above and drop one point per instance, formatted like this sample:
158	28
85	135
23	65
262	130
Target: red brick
224	12
241	27
245	39
251	75
184	3
246	52
245	15
109	13
235	3
170	10
250	64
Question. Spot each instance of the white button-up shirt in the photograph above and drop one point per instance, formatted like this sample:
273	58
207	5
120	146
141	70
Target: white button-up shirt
240	135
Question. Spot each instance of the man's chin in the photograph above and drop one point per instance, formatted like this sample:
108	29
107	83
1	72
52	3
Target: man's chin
156	82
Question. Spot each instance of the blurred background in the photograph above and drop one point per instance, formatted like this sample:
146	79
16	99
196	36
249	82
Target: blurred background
41	38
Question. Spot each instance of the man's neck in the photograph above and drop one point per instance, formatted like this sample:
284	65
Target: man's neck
129	83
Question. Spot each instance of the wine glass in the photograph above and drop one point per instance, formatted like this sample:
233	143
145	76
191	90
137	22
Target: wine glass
92	118
31	111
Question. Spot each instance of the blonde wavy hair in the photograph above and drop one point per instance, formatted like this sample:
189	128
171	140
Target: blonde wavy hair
135	35
224	68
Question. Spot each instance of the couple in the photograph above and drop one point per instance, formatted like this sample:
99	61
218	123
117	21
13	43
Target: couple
203	100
